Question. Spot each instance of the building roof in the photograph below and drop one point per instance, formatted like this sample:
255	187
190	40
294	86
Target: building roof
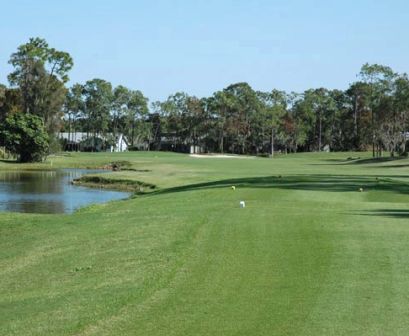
81	136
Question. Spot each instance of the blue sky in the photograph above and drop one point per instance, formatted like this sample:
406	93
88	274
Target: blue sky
163	46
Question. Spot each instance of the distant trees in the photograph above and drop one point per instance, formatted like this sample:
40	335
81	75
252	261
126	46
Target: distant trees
99	109
87	109
371	113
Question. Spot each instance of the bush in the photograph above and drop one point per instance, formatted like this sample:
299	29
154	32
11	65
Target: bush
24	134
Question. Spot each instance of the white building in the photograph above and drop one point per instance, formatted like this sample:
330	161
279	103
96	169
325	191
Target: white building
79	141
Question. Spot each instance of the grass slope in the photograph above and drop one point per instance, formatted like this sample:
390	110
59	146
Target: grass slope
309	255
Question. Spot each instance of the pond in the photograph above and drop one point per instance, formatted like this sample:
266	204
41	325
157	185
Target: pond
50	191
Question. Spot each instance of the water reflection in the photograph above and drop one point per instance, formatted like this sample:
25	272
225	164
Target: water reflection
49	191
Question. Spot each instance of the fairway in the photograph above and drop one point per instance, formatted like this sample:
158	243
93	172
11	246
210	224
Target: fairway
321	248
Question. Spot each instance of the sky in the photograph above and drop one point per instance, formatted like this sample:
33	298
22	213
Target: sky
165	46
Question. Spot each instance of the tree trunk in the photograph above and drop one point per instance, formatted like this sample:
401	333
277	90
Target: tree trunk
69	133
356	123
319	140
133	133
221	142
373	134
272	142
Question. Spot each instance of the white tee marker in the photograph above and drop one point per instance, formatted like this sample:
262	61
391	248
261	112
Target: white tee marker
242	204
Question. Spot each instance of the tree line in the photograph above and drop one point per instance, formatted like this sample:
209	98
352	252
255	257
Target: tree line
371	114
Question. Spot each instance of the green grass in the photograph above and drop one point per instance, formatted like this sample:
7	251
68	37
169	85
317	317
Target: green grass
309	255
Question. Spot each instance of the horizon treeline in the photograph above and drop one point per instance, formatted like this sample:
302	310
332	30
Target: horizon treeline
372	113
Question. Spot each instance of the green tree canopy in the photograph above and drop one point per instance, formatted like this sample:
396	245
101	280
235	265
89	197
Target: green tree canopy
24	135
40	73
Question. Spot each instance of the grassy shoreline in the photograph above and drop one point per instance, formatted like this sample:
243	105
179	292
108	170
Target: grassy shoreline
101	182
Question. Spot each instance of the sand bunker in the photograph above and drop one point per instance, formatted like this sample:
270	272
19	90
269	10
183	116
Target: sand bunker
220	156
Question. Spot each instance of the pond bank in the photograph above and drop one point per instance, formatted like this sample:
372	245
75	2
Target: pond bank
113	184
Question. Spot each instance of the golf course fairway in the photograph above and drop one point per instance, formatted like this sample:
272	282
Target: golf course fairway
321	248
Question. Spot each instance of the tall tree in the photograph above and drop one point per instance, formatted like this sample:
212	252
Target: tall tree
393	111
155	134
3	90
379	79
274	107
243	109
294	130
74	105
306	118
360	115
219	106
120	102
197	121
40	72
175	113
136	117
97	107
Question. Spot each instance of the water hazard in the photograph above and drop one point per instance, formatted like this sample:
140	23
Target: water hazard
49	191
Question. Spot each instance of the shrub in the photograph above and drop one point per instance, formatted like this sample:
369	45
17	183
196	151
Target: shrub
24	134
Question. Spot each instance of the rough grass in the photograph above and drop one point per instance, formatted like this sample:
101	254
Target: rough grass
309	255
